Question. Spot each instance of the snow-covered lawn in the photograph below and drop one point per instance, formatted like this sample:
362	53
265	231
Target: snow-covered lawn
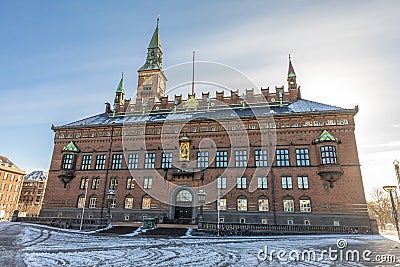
37	246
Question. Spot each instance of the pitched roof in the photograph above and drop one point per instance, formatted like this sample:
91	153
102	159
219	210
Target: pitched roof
298	106
120	88
325	136
6	162
291	72
36	176
71	147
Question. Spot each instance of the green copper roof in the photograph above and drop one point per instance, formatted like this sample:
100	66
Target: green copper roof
291	75
71	147
185	138
120	88
155	41
326	137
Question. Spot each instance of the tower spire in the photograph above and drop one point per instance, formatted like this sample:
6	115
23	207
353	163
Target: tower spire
154	52
291	72
193	75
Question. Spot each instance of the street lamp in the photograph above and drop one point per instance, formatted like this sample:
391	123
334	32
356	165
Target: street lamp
110	199
202	201
390	189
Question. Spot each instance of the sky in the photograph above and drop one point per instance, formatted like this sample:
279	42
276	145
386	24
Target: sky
60	61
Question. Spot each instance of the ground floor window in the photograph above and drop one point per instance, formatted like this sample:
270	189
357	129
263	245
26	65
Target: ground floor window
242	204
305	205
146	203
288	204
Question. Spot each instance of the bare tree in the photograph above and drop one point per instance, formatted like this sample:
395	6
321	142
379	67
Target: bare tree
380	207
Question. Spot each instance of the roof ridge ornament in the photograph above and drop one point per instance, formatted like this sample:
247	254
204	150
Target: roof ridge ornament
71	147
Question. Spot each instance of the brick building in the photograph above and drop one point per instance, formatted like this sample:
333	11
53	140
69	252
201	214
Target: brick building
32	193
11	178
261	157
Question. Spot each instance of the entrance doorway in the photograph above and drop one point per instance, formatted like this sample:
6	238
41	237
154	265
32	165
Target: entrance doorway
183	206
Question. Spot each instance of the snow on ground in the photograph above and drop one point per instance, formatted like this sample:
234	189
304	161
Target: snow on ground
40	246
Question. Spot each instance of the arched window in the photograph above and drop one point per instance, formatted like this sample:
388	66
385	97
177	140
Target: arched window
184	196
242	203
221	204
263	203
93	201
128	202
81	201
305	204
288	204
146	203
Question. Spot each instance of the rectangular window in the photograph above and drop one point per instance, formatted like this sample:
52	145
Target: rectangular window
202	159
95	183
288	205
262	183
287	182
282	157
305	205
113	183
130	183
166	160
116	162
93	202
100	162
302	182
221	204
242	204
133	161
128	203
146	203
67	162
84	183
328	155
241	183
86	161
112	203
148	182
302	157
241	158
5	176
221	183
263	204
260	158
221	159
149	160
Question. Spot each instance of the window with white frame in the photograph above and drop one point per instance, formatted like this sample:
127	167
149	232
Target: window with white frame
95	183
288	204
116	162
149	160
67	161
287	182
81	201
202	159
146	203
148	182
84	183
282	157
305	205
86	161
166	160
240	158
113	183
303	157
261	158
221	182
221	204
100	162
128	202
133	161
93	201
263	204
221	159
262	183
302	182
241	183
242	204
130	183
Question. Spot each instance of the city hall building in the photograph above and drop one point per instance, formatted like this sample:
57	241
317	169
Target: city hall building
262	157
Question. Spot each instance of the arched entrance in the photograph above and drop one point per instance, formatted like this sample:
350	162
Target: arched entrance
183	205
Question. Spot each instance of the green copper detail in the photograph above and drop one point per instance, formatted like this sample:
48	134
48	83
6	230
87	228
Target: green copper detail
71	147
120	88
325	137
290	75
154	53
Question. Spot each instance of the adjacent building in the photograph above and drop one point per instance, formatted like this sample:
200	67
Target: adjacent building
264	156
11	178
32	193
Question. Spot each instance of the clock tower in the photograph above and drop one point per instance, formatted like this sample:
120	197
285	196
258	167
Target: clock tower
151	80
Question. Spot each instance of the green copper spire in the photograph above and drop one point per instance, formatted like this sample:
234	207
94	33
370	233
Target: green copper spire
291	72
154	52
71	147
120	88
